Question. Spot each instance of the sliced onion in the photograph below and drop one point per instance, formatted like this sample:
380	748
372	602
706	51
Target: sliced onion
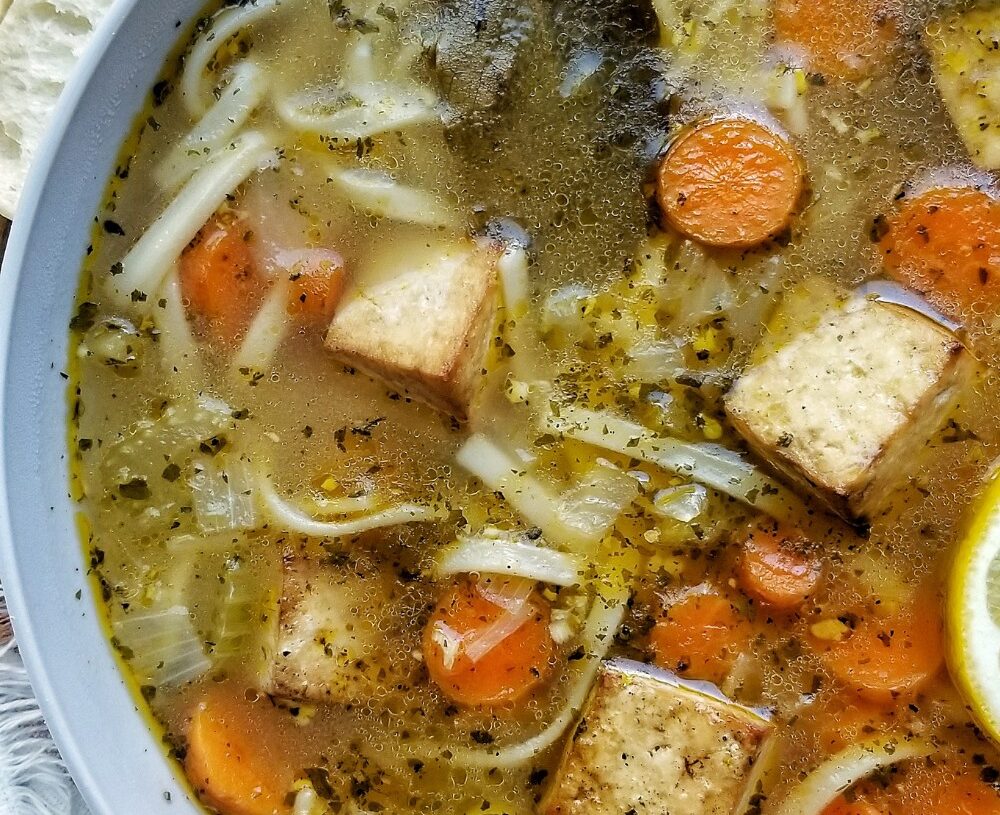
347	505
514	282
179	348
222	497
581	67
360	111
243	94
505	554
166	650
516	612
576	519
565	308
592	506
153	256
449	641
711	464
267	331
844	769
510	595
378	194
682	503
606	614
292	519
305	800
226	24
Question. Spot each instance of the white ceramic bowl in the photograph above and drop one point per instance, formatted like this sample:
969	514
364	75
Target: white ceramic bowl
117	762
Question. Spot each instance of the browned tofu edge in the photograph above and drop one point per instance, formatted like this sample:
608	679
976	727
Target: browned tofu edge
860	501
451	388
610	675
897	453
300	574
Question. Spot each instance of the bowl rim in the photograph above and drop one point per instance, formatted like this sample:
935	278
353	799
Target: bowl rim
55	709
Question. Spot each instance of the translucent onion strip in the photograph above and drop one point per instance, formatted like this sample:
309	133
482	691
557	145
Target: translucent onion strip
243	94
509	557
290	518
844	769
178	347
709	464
577	519
505	593
359	66
226	24
166	650
512	268
370	109
449	641
495	633
153	255
376	193
306	800
267	330
598	633
347	505
516	612
222	497
529	361
237	619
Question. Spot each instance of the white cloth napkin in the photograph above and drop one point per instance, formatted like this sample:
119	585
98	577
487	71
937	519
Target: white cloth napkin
33	778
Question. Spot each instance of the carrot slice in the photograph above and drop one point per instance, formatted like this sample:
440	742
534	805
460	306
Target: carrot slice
316	287
230	760
842	39
841	806
507	672
923	790
847	719
941	789
700	637
945	243
219	280
937	790
774	569
887	656
729	183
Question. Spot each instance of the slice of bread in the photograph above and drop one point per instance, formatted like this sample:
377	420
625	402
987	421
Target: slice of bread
40	41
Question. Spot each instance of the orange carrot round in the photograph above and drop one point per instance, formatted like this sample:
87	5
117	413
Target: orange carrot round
945	243
965	794
887	656
941	790
774	569
729	183
230	761
841	39
842	806
507	672
846	719
316	286
700	637
923	790
219	280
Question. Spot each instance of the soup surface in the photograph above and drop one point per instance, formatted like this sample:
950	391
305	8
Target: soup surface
512	406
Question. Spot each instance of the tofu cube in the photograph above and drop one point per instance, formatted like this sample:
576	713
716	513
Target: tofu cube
425	329
966	61
648	743
331	644
842	407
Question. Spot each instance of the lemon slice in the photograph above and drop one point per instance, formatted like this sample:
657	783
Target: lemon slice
973	612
